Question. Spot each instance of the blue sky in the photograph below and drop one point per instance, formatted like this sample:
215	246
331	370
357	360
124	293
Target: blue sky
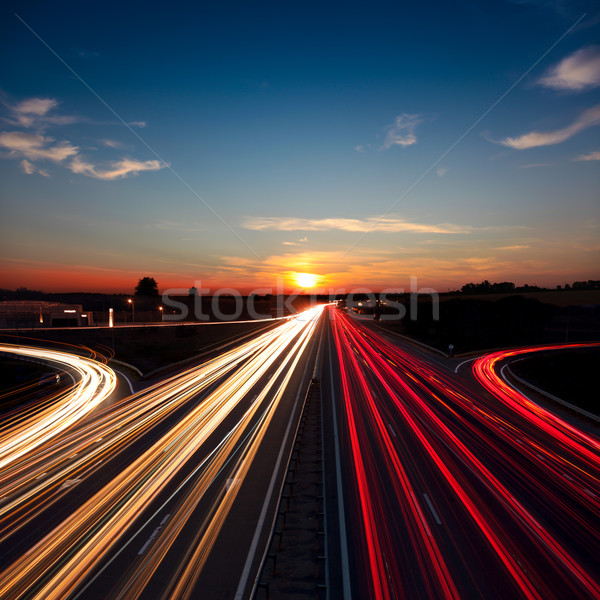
324	137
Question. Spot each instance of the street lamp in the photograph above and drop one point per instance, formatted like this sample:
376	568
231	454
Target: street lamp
132	309
161	312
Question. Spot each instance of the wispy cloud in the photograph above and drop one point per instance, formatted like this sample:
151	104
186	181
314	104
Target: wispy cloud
36	113
577	72
31	169
387	225
588	118
589	156
88	54
534	165
36	147
515	247
442	171
112	144
402	131
114	170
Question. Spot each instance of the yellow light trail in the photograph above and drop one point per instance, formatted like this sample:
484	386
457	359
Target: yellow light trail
95	383
62	562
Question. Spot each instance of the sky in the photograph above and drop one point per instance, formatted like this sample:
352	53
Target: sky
239	144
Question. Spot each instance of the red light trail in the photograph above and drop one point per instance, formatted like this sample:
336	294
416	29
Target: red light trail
458	495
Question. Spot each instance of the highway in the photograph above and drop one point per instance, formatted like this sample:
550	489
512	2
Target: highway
438	484
453	489
158	495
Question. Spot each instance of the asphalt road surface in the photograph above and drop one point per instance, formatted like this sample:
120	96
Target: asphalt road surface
438	484
453	489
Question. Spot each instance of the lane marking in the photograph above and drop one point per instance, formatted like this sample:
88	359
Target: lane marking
392	430
152	536
435	515
464	362
68	483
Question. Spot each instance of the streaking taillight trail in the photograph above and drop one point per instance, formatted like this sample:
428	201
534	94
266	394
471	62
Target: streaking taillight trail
523	488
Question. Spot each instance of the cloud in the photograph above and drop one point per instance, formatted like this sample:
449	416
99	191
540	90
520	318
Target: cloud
112	143
535	165
37	107
442	171
589	156
578	72
402	132
588	118
516	247
36	147
88	54
30	169
387	225
33	112
359	148
116	170
36	113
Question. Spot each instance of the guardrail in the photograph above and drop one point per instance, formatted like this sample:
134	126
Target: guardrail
552	398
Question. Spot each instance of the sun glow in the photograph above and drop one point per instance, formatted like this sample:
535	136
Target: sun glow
306	280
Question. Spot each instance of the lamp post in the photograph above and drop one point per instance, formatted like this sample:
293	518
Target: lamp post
160	308
132	309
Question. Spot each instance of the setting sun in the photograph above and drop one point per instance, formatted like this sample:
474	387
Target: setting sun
306	280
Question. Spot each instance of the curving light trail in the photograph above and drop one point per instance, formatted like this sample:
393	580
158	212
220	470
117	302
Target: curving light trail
457	495
70	557
22	435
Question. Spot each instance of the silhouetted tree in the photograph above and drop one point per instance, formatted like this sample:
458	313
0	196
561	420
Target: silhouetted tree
147	287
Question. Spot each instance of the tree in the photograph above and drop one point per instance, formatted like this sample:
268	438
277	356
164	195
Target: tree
148	287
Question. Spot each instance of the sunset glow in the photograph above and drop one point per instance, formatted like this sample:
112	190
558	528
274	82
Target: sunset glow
306	280
373	163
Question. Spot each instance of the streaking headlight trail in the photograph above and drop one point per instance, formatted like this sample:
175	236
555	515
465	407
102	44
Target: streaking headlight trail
94	383
209	404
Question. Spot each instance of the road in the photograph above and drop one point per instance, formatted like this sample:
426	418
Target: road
438	484
453	489
160	494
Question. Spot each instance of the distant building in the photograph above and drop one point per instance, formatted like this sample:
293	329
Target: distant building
37	313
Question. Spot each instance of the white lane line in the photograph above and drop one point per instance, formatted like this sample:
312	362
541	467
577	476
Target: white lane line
152	536
464	362
41	475
347	593
126	379
392	430
435	515
68	483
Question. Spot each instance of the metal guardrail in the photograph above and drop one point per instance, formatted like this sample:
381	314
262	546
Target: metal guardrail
551	397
